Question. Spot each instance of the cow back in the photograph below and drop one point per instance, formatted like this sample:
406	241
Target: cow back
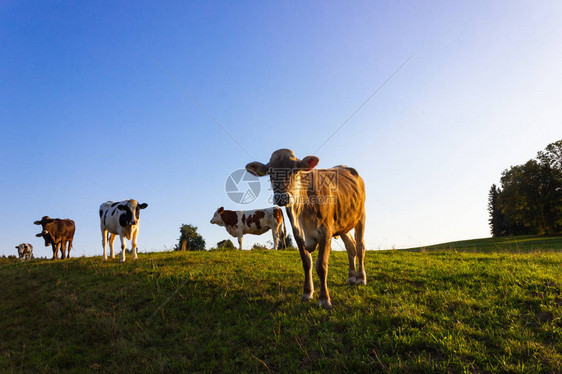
331	198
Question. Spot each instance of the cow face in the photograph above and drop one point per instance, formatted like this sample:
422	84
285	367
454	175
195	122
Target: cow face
46	236
131	213
45	220
217	219
285	171
23	249
45	233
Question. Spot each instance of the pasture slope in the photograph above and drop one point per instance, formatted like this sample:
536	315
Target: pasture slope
422	311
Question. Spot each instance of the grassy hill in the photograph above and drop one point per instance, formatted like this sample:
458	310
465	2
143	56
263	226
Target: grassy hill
513	244
432	311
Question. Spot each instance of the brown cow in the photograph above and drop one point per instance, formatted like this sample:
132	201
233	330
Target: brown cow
57	232
321	204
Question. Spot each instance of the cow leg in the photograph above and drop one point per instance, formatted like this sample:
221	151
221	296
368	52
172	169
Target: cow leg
123	247
275	233
63	249
360	245
134	243
322	269
351	254
104	243
306	259
240	242
111	239
69	247
55	250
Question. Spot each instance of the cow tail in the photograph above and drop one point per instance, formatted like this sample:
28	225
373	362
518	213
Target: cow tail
284	232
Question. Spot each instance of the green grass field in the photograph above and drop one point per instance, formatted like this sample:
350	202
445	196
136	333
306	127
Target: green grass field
456	310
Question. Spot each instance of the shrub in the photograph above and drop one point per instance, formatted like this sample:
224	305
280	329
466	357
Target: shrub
189	239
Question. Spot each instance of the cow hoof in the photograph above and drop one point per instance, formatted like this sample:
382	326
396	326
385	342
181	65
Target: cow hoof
326	304
105	258
362	282
306	297
122	260
351	280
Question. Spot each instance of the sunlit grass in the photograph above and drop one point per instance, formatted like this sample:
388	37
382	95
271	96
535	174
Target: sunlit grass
433	311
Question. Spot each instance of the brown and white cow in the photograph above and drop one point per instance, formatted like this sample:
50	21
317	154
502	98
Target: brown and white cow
120	218
321	204
59	233
25	251
257	222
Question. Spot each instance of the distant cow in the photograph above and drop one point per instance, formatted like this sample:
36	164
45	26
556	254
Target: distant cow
257	222
321	204
59	233
25	251
120	218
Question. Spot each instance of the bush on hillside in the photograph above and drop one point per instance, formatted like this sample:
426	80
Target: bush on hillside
189	239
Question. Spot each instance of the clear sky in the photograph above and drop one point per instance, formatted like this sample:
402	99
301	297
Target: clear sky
89	114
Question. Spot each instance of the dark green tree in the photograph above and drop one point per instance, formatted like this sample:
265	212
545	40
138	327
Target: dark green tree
497	219
189	239
531	194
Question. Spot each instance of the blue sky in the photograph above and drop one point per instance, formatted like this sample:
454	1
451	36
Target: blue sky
89	115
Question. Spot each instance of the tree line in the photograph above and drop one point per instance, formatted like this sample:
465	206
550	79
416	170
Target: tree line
529	198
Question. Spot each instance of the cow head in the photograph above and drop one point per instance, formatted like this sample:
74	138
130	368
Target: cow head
131	213
45	233
46	236
23	249
217	219
285	172
45	220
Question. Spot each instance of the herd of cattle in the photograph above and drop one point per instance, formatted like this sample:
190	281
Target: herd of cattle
320	203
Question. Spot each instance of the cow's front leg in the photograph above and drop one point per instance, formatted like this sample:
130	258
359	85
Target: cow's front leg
240	242
123	247
306	259
111	242
324	245
134	244
55	250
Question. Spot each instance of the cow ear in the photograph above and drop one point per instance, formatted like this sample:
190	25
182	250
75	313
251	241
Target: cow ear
257	168
220	210
39	235
121	207
143	205
309	162
37	222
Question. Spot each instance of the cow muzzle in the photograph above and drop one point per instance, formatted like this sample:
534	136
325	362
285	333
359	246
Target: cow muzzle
282	199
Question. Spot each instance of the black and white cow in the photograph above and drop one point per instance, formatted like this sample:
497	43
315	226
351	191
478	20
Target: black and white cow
120	218
257	222
25	251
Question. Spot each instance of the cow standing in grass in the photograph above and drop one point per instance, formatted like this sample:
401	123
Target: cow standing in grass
321	204
120	218
25	251
59	233
257	222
